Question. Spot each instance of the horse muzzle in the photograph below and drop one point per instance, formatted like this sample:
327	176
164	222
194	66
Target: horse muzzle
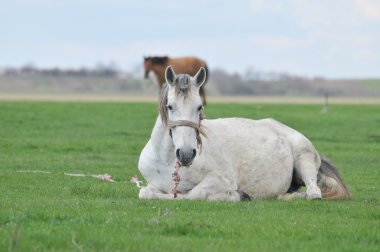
185	155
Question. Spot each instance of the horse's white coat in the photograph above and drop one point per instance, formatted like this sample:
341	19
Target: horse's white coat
257	157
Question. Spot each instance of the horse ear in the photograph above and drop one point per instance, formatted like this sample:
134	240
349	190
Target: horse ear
200	77
170	75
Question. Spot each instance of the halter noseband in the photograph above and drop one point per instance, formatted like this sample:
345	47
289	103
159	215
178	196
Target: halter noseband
197	126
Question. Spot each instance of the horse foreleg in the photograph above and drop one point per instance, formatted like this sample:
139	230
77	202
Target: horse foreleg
150	192
307	168
214	188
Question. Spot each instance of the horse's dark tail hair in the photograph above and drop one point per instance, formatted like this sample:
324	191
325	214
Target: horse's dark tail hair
330	182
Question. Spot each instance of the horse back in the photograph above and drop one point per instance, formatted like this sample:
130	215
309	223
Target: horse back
187	65
257	131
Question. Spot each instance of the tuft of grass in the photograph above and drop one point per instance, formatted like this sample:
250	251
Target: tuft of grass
53	212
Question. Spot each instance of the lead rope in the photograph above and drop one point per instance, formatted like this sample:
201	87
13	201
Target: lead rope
176	178
175	175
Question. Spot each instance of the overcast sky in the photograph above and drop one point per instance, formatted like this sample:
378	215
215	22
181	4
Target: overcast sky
335	39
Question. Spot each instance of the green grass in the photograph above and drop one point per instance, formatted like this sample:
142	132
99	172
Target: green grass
53	212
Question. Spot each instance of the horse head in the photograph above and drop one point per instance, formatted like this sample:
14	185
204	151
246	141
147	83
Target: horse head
147	66
181	111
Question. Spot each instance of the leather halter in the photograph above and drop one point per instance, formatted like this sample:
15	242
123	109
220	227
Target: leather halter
197	126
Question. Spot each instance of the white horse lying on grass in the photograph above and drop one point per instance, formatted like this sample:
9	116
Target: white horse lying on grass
231	158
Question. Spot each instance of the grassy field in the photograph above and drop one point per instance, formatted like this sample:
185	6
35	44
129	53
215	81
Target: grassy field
53	212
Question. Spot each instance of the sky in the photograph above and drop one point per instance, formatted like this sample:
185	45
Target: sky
332	39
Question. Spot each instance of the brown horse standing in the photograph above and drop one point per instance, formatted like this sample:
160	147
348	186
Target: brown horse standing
185	65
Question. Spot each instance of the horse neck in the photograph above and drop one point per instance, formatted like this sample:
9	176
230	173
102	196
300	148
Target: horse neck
162	142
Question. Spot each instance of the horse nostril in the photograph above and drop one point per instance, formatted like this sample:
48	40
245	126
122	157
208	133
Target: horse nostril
185	155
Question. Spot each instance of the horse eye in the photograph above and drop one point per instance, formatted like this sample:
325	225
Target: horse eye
170	107
200	108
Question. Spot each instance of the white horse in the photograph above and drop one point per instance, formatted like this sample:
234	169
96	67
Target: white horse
231	158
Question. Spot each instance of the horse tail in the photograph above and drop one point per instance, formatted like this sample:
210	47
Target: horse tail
330	182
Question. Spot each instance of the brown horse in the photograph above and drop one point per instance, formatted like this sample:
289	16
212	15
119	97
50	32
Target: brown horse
184	65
